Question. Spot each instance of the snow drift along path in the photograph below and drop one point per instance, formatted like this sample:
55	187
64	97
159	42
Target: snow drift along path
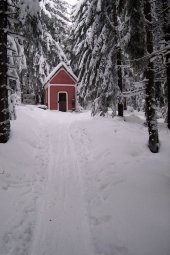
63	224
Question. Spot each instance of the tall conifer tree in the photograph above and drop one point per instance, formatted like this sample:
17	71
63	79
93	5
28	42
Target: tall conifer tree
150	85
4	111
95	54
166	27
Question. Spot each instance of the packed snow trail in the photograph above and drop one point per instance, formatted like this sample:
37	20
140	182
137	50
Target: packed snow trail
75	185
63	226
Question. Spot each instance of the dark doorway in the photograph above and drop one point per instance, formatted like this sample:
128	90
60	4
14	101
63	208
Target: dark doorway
62	102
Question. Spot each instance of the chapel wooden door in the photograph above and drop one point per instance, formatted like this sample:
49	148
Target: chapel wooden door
62	102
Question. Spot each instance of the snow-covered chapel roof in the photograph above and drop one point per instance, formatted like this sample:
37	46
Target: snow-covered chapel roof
57	68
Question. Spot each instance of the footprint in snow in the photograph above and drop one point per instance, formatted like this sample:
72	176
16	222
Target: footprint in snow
100	220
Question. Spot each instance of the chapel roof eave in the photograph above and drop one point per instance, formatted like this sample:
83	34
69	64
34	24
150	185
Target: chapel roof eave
56	69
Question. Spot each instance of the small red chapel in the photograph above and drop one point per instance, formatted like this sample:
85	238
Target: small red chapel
60	89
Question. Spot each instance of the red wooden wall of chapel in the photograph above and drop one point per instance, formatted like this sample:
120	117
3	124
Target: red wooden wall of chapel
54	90
62	78
62	81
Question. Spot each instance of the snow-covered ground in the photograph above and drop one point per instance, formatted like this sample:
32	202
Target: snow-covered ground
75	185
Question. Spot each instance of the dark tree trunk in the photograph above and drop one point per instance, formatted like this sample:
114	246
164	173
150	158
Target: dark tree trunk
167	40
120	82
150	86
168	85
119	63
4	111
125	104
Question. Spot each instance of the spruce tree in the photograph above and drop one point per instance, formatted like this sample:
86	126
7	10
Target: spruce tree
119	59
150	85
95	55
166	27
140	47
14	52
45	30
4	111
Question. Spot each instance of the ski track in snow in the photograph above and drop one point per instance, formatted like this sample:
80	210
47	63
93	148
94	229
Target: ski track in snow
62	224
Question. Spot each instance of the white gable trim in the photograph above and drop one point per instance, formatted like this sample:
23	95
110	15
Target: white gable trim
63	85
49	98
75	81
61	66
46	86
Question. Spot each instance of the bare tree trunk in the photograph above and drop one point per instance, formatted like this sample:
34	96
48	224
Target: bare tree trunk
166	26
4	111
150	86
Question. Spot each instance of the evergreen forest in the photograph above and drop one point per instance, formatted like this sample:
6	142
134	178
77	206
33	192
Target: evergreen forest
118	49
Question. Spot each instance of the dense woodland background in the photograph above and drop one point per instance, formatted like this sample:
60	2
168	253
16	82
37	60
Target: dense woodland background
119	49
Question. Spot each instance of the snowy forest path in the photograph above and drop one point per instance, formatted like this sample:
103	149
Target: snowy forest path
75	185
62	225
